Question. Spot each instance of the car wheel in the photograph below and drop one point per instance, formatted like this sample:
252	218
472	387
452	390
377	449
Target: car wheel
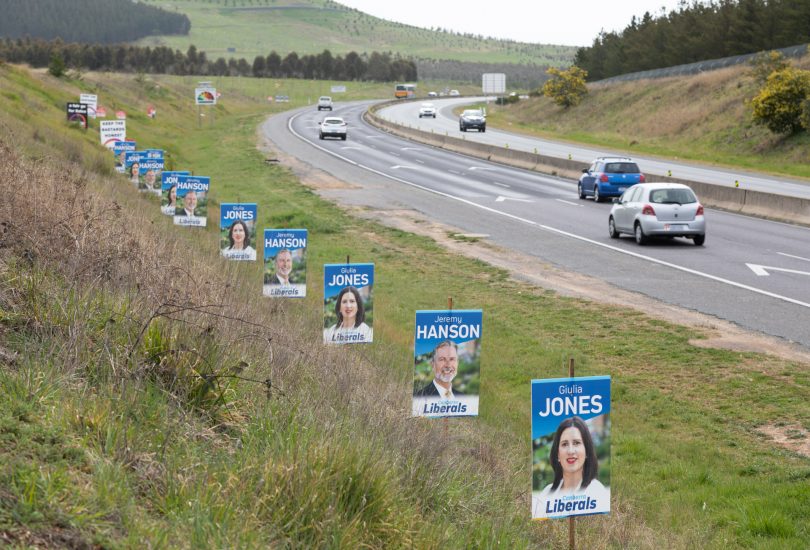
612	228
641	238
343	138
596	197
580	192
320	136
699	240
484	129
434	116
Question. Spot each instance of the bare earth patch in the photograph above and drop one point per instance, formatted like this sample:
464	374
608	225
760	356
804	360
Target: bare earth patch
792	437
718	333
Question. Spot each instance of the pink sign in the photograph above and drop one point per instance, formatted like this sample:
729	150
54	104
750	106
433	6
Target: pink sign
120	115
101	112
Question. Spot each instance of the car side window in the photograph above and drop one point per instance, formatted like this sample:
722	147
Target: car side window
633	194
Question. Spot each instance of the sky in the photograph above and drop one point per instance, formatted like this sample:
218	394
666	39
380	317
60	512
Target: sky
565	22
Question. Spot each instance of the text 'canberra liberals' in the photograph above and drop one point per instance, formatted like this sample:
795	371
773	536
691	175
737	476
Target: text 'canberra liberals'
469	332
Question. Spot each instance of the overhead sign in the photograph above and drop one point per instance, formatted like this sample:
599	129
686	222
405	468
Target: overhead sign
205	95
91	100
77	112
110	131
285	263
493	83
447	363
570	447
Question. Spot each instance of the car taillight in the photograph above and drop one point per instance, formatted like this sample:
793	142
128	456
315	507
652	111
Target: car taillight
641	178
603	178
648	210
699	210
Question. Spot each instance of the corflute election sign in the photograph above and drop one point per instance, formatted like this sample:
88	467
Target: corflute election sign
237	228
570	447
447	363
192	200
168	190
348	303
285	263
120	148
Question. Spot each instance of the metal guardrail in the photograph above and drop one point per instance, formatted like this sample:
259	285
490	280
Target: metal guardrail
701	66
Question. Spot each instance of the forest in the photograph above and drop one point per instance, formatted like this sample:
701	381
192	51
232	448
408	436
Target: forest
110	21
380	67
697	32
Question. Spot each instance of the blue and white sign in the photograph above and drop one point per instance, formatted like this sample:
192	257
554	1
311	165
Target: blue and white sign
285	263
237	227
192	197
151	170
570	447
447	363
348	303
168	190
120	148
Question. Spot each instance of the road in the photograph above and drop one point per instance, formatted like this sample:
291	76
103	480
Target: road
753	272
446	122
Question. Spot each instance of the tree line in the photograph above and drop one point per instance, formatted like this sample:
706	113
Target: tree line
93	21
381	67
697	32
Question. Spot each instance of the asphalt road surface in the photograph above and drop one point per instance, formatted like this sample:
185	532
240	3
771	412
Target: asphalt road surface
753	272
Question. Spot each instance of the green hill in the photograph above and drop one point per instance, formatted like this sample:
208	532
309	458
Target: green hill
247	28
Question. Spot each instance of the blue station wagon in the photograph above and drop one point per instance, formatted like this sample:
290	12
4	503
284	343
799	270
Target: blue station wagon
608	177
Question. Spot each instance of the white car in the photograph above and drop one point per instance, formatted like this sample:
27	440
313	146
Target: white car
658	210
433	94
454	93
332	126
325	103
427	109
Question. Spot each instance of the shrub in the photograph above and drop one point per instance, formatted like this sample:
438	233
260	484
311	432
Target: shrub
778	106
766	63
566	88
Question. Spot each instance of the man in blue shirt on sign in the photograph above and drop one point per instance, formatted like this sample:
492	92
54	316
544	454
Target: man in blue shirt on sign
445	367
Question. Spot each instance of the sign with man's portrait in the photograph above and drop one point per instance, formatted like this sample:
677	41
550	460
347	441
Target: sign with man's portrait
348	305
570	447
447	363
285	263
119	149
192	200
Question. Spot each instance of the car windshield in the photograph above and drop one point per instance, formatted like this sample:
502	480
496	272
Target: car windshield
472	112
622	168
672	196
427	105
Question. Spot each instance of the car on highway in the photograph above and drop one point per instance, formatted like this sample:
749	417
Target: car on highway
332	126
608	177
472	118
454	93
325	103
433	94
648	210
428	110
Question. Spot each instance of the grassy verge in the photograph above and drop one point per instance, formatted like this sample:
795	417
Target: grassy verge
135	408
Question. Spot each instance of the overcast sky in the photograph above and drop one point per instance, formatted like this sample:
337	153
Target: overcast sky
567	22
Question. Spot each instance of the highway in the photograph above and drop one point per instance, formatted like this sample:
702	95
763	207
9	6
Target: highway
447	122
753	272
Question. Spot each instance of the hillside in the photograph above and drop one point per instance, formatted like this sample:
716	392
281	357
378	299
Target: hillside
151	397
704	117
247	28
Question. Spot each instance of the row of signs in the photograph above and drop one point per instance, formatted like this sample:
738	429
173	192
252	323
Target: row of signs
571	429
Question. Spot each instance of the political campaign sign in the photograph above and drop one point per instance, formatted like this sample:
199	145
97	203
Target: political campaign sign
111	131
120	115
237	229
150	171
91	100
192	199
101	112
168	190
348	303
285	263
205	95
570	447
132	166
447	363
119	149
77	112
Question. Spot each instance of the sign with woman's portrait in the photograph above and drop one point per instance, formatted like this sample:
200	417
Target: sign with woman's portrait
348	304
447	363
168	190
570	447
237	229
285	263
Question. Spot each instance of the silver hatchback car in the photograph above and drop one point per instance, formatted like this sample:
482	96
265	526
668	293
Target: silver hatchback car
658	210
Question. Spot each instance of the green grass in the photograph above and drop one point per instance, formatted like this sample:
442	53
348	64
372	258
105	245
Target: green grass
290	25
160	458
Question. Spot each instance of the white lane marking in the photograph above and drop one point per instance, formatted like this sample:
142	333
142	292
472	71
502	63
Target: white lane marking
501	199
481	168
357	148
792	256
454	172
502	184
398	166
549	228
762	270
419	161
569	202
410	149
393	153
